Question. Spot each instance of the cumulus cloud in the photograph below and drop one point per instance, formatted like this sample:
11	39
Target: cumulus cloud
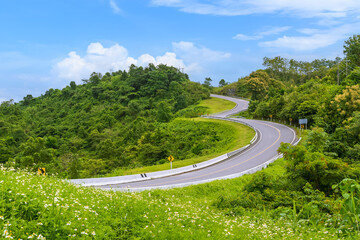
302	8
103	59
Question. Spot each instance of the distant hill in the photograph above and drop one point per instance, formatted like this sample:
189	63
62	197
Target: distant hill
118	119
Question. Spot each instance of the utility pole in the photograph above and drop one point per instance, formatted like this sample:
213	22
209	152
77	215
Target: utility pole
346	60
338	75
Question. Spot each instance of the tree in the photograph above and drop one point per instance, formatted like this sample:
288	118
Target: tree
352	49
73	85
27	99
342	107
222	83
317	140
319	170
207	82
164	112
258	84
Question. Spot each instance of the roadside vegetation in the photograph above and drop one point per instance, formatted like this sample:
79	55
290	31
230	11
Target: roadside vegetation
313	192
114	123
216	105
233	136
48	208
319	183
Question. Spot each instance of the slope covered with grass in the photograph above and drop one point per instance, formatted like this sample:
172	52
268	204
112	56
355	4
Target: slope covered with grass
216	105
230	136
45	207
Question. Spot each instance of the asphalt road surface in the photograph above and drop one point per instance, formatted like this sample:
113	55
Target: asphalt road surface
272	134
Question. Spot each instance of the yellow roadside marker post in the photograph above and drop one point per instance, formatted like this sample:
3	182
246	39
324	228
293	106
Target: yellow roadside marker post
171	159
41	171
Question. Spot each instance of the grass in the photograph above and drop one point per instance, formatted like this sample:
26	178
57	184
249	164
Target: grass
240	136
237	136
217	105
45	207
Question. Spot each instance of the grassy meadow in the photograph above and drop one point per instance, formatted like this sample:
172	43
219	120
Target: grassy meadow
48	208
235	136
216	105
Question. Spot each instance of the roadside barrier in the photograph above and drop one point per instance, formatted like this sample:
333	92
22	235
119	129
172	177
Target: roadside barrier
171	172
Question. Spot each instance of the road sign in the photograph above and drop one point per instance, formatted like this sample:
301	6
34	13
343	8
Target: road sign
41	171
302	126
290	119
270	116
303	121
171	158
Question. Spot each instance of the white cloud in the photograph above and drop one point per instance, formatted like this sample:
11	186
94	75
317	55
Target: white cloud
274	31
146	59
302	43
271	31
189	51
313	39
185	56
170	59
114	7
74	67
302	8
246	37
198	58
101	59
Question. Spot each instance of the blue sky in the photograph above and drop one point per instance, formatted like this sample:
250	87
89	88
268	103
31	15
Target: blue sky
47	44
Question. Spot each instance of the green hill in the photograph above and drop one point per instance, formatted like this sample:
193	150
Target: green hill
120	119
119	123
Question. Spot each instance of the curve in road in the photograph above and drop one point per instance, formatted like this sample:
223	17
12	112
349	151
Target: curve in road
271	135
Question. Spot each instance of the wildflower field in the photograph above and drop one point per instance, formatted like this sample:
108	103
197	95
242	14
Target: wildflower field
37	207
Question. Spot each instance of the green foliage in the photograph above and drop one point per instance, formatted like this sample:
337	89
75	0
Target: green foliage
101	122
207	83
350	205
298	72
258	84
314	167
222	83
352	49
316	140
344	142
325	92
45	207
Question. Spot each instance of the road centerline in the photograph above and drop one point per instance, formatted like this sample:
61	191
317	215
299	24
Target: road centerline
224	169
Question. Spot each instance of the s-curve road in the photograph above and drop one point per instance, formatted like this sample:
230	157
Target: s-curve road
270	137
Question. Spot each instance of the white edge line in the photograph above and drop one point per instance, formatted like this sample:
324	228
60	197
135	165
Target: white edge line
188	168
249	171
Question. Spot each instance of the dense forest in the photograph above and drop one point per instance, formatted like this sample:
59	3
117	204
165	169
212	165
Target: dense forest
320	178
120	119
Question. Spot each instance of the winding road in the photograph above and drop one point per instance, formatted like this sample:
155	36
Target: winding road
270	135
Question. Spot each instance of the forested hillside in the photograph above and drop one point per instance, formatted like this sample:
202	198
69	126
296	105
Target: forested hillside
318	182
120	119
326	92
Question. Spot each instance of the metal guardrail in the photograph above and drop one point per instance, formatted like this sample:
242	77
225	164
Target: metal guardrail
166	173
249	171
160	174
